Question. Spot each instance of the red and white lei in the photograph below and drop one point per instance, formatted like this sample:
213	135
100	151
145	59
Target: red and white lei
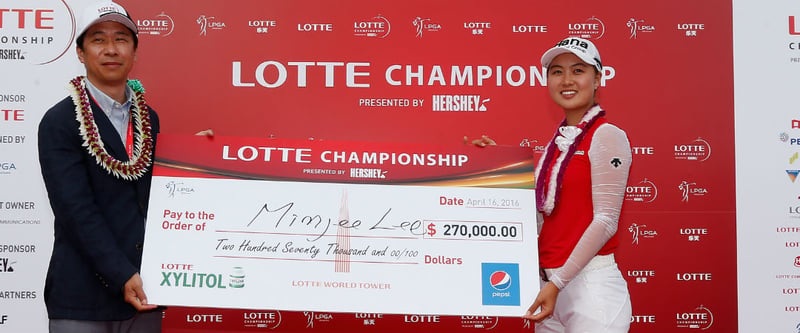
567	139
142	157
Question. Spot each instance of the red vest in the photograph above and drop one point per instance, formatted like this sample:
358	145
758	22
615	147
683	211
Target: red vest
573	211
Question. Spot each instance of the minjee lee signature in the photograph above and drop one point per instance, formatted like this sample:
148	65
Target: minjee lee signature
282	215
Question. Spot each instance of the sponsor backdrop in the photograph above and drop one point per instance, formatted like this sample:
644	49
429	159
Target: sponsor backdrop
422	71
767	48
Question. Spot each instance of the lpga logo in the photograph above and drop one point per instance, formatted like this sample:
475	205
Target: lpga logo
208	22
499	283
425	24
692	189
640	230
637	26
179	188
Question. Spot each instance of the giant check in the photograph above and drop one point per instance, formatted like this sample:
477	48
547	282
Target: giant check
341	227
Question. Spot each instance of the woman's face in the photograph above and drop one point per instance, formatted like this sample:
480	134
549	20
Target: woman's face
572	82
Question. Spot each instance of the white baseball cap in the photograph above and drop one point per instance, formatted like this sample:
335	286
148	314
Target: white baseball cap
106	11
582	48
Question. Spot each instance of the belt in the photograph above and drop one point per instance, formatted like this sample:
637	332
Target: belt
598	262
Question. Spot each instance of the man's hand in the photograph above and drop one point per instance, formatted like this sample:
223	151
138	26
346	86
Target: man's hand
482	142
209	133
134	294
546	300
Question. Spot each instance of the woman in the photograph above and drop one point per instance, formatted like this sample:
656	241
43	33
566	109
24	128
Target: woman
580	186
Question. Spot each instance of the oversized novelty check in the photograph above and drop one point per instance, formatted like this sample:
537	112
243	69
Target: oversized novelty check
341	227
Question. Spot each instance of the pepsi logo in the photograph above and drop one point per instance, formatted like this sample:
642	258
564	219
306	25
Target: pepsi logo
500	280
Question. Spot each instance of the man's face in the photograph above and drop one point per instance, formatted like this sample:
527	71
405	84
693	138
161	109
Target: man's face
108	53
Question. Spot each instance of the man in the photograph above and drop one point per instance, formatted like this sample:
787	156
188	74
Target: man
96	152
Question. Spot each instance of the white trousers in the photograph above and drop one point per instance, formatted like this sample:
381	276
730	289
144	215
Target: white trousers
596	300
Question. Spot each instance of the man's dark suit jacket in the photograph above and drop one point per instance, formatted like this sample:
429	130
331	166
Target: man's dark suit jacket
99	219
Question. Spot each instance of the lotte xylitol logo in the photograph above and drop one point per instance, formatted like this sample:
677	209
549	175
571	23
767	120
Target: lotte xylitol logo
500	283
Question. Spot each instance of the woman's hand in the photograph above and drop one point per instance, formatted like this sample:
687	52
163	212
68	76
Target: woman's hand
482	142
546	300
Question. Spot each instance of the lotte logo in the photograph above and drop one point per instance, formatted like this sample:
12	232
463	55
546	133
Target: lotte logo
793	30
35	34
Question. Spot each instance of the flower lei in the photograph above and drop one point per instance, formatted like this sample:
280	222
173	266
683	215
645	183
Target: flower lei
567	139
141	160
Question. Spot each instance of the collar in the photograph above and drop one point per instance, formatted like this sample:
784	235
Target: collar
105	102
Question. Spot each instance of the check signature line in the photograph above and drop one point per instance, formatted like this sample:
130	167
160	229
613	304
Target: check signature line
320	260
298	234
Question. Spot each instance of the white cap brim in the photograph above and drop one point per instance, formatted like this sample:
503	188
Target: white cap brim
556	51
113	17
106	11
